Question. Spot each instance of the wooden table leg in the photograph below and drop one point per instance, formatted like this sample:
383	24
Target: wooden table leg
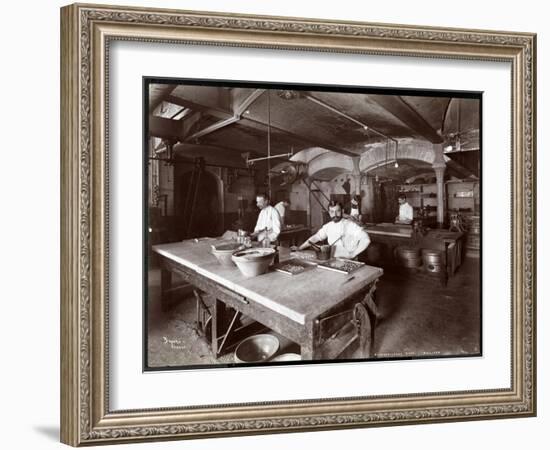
309	347
365	320
362	320
218	314
165	285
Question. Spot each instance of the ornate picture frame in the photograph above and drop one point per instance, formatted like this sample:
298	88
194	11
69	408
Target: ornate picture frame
86	34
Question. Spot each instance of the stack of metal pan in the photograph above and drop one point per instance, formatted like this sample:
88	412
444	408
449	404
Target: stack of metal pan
472	242
408	257
474	224
432	260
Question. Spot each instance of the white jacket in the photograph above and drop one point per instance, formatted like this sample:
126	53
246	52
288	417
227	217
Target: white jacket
269	218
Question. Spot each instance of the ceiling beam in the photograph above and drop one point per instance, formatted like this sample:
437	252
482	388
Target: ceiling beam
165	92
165	128
181	149
308	140
238	111
248	121
399	108
214	112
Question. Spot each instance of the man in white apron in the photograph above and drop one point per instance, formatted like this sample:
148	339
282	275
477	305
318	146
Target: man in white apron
347	237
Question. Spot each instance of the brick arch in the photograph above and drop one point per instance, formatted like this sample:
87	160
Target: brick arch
412	150
329	160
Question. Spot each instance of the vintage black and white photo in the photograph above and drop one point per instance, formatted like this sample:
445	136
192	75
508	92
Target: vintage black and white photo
289	224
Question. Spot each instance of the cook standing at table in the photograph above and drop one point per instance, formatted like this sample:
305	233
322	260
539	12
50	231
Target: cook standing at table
405	211
354	212
268	219
281	208
346	236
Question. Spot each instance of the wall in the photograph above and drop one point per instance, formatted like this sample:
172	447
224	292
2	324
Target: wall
30	229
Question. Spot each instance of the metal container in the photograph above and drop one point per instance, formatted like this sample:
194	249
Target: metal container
432	260
224	252
408	257
254	261
257	348
287	357
324	252
474	225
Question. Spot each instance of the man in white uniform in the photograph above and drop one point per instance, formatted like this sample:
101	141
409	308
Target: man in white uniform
405	211
268	219
281	208
354	212
346	236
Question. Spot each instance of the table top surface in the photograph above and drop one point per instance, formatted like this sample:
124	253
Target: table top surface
299	297
293	228
390	229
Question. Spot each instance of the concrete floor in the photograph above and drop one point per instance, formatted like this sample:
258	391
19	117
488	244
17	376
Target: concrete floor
419	318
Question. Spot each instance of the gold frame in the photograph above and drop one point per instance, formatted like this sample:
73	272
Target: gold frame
86	31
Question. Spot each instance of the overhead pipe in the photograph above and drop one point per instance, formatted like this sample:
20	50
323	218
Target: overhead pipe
183	161
343	114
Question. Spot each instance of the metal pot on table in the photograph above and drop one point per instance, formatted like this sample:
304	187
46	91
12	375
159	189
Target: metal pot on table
323	252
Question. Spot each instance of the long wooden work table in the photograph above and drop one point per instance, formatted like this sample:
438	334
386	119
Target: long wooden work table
306	308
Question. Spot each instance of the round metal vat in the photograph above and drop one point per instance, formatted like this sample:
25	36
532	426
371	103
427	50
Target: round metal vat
432	261
408	257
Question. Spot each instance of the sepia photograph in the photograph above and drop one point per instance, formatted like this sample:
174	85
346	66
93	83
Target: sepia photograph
299	224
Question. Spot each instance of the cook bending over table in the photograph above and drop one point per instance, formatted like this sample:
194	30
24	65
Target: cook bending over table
347	237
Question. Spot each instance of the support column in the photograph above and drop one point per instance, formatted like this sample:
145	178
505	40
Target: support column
356	175
439	167
440	177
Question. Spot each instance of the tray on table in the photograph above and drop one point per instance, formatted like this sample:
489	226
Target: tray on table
341	265
293	266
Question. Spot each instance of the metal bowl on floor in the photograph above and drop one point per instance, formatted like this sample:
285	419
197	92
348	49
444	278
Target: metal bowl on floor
254	261
224	252
257	348
286	357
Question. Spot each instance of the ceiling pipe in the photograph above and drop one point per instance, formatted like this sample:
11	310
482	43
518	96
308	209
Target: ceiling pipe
237	115
343	114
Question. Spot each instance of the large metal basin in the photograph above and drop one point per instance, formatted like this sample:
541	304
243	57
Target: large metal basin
257	348
254	261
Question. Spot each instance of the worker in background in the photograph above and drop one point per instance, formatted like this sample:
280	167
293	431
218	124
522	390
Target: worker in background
355	212
269	221
405	211
281	208
347	237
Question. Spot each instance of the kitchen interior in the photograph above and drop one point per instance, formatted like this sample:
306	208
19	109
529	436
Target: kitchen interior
211	149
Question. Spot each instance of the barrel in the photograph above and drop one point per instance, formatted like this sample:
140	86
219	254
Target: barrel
408	256
432	261
474	225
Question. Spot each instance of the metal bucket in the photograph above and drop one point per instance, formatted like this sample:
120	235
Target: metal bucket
474	225
323	252
432	261
408	257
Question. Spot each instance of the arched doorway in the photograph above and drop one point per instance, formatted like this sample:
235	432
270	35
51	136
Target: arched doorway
203	216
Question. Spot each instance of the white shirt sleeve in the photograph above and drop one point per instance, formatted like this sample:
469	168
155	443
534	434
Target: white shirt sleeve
321	235
260	223
280	209
275	228
355	239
